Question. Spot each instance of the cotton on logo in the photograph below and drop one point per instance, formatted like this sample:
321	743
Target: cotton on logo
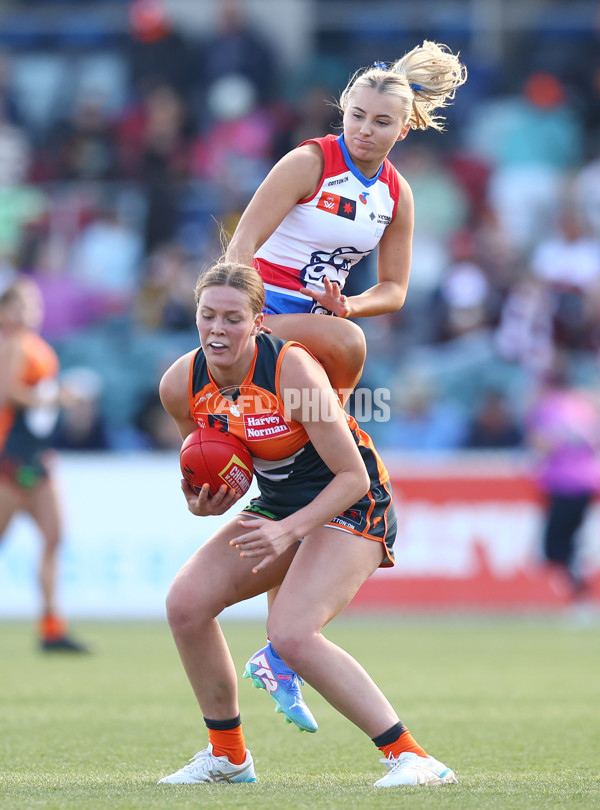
265	673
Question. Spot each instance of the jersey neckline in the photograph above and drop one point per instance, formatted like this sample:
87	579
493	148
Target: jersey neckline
366	181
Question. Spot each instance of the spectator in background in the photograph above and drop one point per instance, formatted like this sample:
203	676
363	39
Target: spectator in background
586	190
70	305
21	203
236	151
567	263
421	419
313	116
83	146
237	49
158	53
15	152
441	207
105	259
8	272
464	301
493	426
531	141
82	426
154	146
163	298
563	429
525	332
9	105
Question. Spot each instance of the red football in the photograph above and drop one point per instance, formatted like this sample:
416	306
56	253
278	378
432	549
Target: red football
210	456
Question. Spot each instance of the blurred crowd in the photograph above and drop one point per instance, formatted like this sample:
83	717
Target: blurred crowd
122	171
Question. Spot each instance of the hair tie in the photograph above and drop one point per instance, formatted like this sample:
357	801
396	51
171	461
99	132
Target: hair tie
380	65
416	86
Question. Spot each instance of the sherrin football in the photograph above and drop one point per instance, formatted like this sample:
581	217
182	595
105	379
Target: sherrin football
211	456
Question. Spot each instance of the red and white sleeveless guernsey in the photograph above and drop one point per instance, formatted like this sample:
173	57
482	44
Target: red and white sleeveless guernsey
326	234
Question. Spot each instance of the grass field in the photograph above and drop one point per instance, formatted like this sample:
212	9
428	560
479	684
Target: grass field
511	705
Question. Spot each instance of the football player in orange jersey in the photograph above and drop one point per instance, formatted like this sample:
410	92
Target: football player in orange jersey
324	498
30	399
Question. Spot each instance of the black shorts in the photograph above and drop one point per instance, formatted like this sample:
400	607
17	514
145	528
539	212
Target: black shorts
373	517
25	473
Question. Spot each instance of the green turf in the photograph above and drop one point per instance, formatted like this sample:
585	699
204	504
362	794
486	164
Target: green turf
511	705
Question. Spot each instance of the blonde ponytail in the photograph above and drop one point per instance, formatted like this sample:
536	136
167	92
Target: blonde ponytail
426	79
433	74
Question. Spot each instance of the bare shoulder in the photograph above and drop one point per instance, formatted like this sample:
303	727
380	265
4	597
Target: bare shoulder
173	387
307	155
304	165
404	218
405	195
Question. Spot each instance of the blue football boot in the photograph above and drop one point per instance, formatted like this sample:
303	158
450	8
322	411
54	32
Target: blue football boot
268	671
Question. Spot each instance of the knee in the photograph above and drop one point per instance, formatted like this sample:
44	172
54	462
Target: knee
288	645
350	343
51	544
178	609
344	355
354	343
185	611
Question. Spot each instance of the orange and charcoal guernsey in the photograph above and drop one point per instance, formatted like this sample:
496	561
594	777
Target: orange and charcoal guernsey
25	432
289	471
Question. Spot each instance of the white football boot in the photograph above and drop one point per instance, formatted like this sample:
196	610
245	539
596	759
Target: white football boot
411	769
206	767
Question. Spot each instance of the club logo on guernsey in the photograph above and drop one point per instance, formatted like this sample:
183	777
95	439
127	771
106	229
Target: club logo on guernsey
218	421
265	425
334	204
